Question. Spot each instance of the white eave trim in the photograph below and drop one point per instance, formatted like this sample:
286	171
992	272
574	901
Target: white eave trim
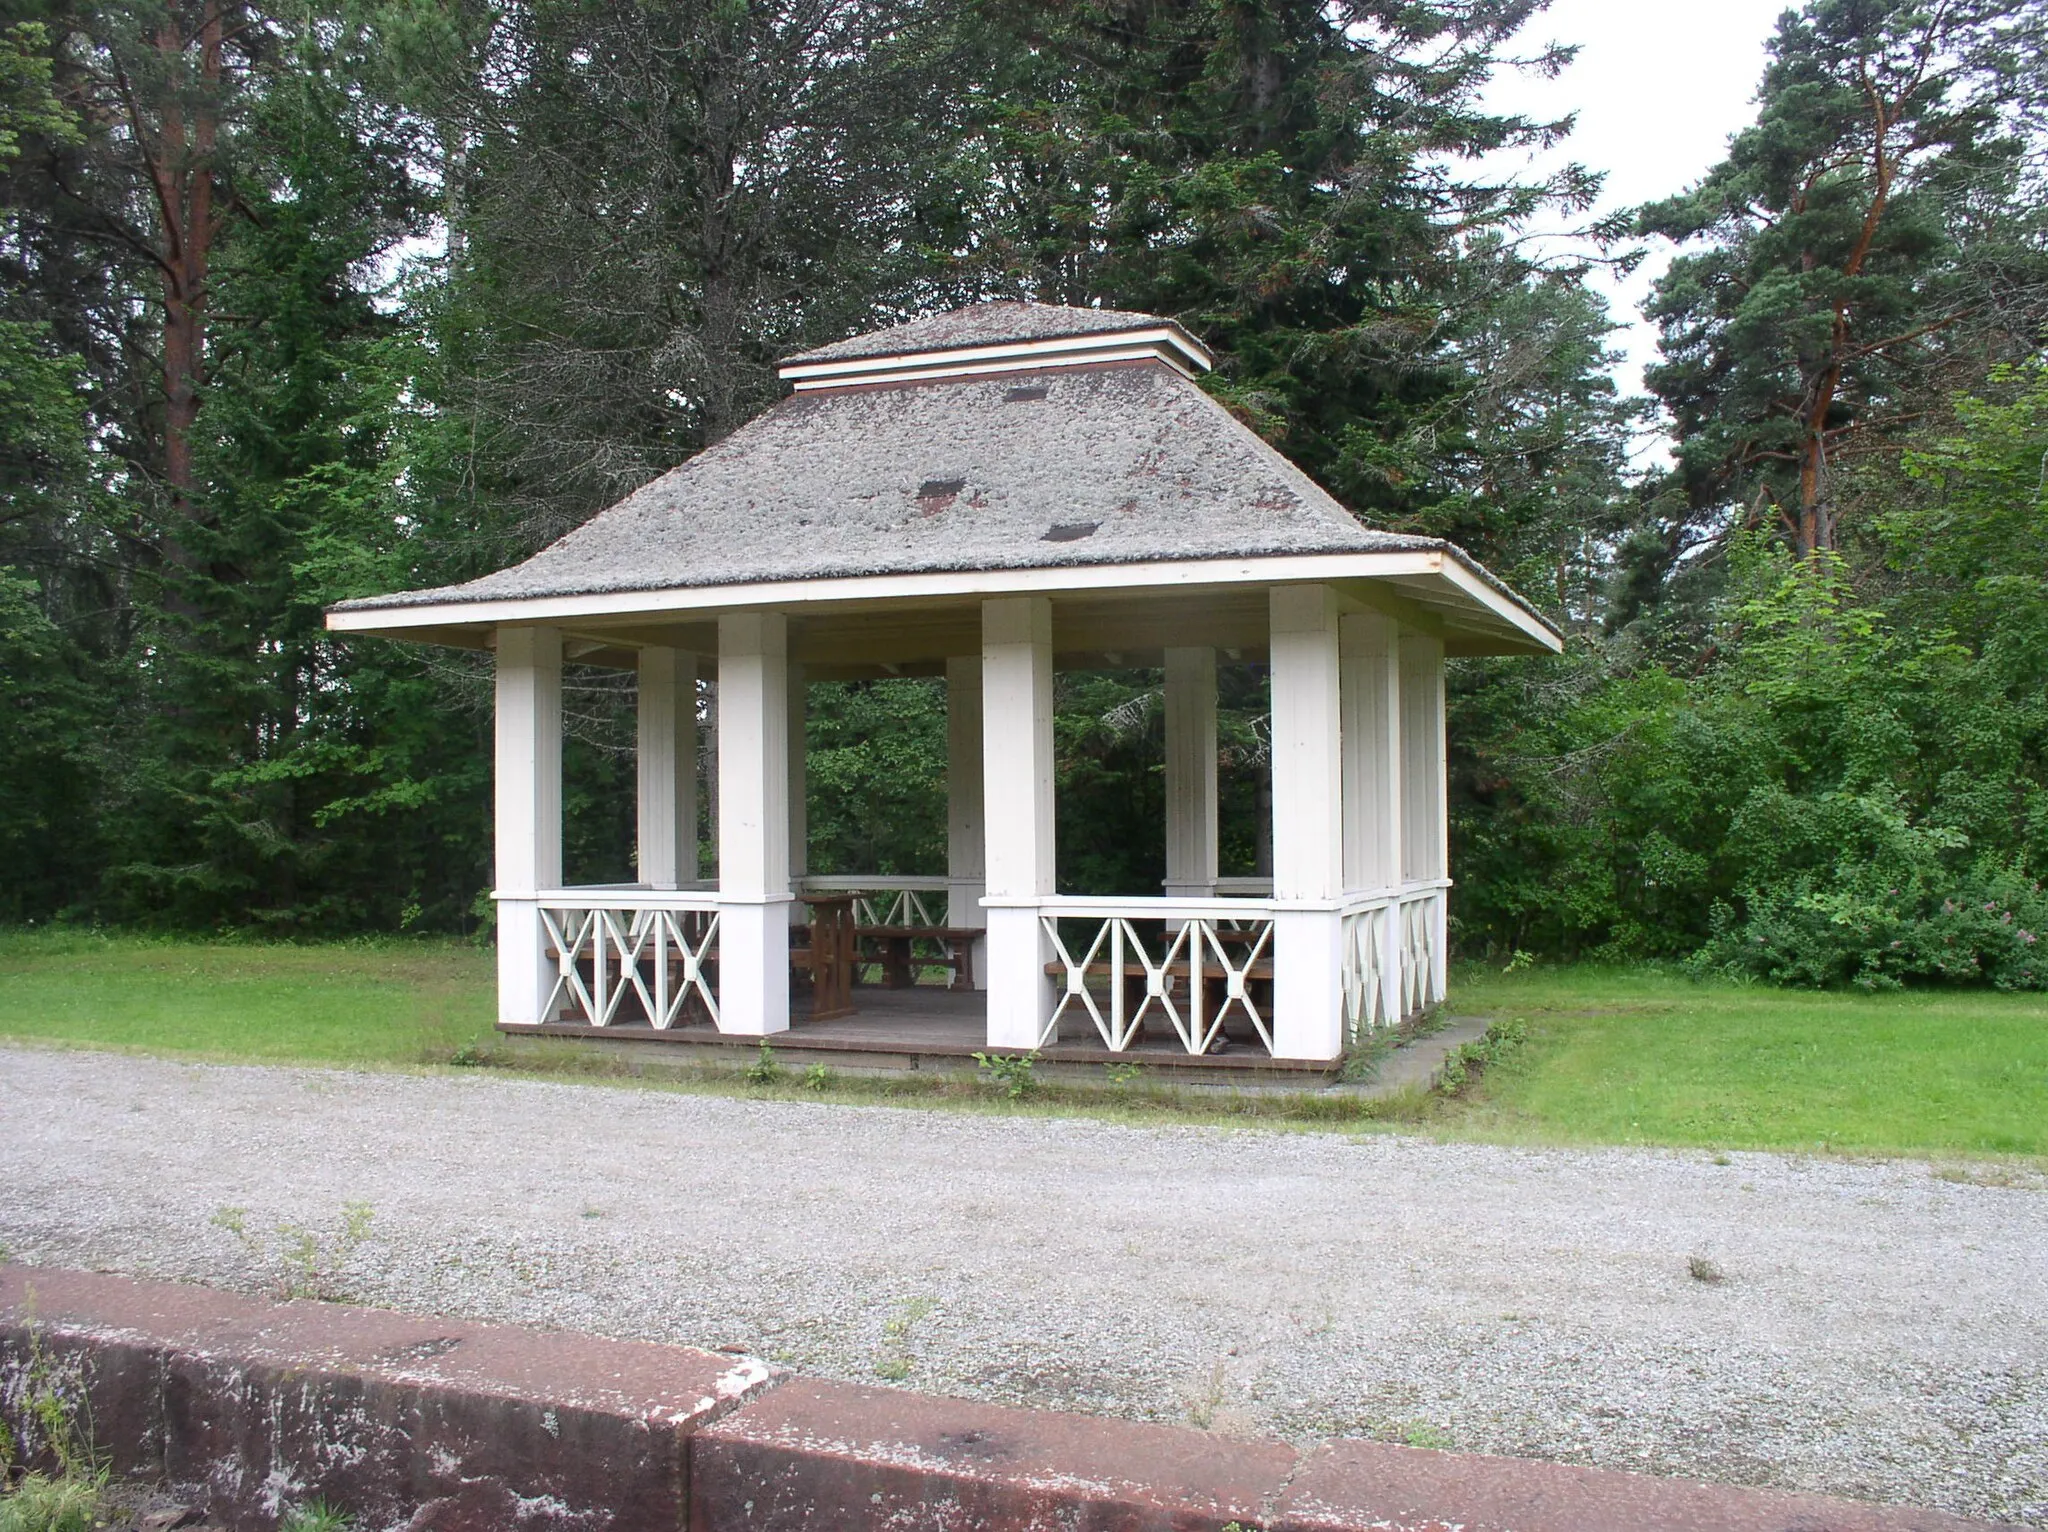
1478	590
1166	343
1279	569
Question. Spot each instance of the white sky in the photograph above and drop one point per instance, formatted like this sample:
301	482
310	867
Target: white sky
1658	86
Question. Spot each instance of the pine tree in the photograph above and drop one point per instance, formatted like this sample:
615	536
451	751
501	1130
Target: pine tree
1865	245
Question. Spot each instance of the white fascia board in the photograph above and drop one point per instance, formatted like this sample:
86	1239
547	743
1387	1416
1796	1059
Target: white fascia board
1485	594
907	373
1278	569
1161	340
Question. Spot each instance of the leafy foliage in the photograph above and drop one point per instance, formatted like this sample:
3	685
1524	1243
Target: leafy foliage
441	280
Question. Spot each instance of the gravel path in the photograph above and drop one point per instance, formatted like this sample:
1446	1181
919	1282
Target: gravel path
1880	1332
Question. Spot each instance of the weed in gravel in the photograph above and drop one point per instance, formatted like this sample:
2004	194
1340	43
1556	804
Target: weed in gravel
303	1264
764	1070
1963	1175
894	1362
1012	1074
1703	1270
1423	1434
1203	1407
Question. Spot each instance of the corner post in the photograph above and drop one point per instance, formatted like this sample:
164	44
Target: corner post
667	760
528	813
1373	816
1425	847
1191	773
799	791
1308	825
753	823
1017	776
966	853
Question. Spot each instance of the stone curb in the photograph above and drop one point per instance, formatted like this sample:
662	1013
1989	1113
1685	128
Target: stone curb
460	1427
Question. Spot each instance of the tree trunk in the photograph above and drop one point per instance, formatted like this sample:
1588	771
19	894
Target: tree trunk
182	171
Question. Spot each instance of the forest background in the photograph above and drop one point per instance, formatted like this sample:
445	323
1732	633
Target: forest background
309	300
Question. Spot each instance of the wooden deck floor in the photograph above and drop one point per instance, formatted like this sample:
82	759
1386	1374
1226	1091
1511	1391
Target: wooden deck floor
940	1024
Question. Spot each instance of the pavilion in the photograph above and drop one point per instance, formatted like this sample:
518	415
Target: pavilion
990	495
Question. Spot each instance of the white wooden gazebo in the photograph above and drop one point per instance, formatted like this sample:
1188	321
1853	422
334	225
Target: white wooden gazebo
992	494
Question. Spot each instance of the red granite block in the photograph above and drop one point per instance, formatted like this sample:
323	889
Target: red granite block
1355	1484
427	1423
847	1457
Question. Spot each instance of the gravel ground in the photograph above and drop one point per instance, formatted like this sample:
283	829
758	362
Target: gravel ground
1880	1331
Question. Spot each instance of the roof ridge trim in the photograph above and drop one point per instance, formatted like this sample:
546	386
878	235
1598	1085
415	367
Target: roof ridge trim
1167	342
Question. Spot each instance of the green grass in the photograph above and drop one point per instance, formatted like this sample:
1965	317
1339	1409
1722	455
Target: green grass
1627	1056
1631	1056
373	1002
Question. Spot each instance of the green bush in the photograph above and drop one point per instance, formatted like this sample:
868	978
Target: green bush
1986	929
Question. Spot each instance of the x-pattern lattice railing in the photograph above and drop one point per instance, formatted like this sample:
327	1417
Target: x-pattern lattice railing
887	900
661	957
897	909
1418	949
1364	935
1192	952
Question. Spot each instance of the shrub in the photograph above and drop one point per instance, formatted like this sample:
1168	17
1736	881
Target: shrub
1986	927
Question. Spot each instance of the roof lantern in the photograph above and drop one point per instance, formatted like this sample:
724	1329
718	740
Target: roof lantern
996	338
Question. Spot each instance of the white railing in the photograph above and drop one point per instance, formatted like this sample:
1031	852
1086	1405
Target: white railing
1369	1001
889	900
613	950
1420	915
1193	967
1197	964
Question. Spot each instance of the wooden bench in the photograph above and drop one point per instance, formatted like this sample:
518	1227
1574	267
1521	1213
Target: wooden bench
825	952
899	963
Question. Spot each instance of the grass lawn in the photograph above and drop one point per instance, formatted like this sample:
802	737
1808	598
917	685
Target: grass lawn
373	1002
1626	1055
1614	1055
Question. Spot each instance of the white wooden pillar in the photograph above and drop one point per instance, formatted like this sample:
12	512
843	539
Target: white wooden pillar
753	823
667	767
1191	773
799	792
1308	824
1017	772
528	809
1425	847
1370	644
966	851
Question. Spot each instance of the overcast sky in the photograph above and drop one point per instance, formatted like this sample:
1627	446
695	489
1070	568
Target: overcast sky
1658	86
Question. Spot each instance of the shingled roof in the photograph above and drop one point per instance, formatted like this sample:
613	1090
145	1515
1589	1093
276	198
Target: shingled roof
1037	468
